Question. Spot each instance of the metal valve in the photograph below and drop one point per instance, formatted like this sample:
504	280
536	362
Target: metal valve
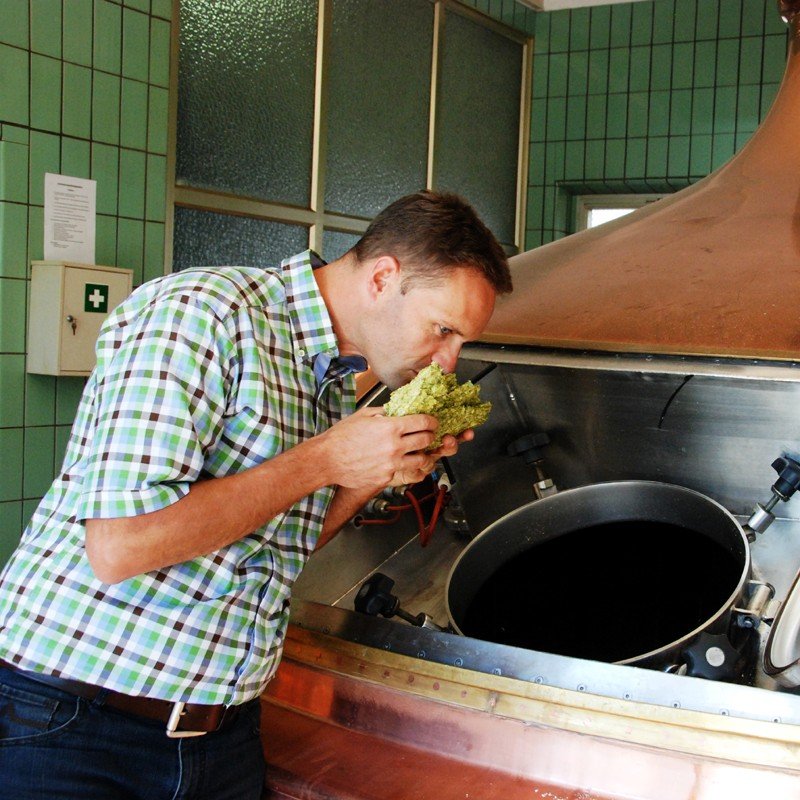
785	486
530	448
375	598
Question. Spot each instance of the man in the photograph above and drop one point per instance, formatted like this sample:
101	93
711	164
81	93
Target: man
213	450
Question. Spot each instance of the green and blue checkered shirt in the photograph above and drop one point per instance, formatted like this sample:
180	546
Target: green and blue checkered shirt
203	373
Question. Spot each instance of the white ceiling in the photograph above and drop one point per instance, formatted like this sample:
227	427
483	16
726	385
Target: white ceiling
557	5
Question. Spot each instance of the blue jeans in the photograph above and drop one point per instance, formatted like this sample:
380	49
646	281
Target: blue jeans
55	745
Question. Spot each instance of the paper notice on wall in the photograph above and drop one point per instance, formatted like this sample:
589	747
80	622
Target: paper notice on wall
70	207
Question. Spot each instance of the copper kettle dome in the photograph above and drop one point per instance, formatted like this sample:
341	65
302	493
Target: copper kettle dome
711	270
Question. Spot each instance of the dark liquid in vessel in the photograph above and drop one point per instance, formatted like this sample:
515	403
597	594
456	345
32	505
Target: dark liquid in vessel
608	593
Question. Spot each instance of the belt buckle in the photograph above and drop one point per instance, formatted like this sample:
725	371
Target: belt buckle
174	720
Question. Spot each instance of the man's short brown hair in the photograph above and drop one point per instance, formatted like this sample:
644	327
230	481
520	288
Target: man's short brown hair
431	233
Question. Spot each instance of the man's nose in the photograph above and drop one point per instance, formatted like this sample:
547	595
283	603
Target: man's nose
447	355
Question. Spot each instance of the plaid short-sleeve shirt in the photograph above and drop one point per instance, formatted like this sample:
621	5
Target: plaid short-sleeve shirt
200	374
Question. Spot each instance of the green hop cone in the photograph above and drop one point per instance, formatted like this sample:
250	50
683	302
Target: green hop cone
432	392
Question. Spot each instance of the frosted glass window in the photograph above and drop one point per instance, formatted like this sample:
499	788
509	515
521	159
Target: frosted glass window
246	97
378	103
205	238
337	243
477	126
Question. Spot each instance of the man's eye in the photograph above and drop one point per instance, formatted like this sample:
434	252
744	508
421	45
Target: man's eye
444	331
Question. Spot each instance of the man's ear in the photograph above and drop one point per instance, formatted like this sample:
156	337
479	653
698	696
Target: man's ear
383	274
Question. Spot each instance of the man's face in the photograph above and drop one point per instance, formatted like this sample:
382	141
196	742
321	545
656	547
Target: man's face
404	333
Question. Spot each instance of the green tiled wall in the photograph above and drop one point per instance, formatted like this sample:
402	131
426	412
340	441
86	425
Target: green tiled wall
644	97
84	93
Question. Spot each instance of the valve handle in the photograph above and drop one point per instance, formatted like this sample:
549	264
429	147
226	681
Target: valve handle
375	596
788	481
529	446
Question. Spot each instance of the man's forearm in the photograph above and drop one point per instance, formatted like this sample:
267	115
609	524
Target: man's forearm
213	514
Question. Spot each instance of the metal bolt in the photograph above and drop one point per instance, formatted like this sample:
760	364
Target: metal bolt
387	646
459	662
422	654
724	712
581	687
496	671
538	679
627	696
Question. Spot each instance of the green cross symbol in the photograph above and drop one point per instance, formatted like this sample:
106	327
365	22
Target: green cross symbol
95	298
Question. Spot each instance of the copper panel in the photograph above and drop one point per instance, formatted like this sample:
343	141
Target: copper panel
713	269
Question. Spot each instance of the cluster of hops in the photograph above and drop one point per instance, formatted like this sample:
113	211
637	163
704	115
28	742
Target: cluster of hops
432	392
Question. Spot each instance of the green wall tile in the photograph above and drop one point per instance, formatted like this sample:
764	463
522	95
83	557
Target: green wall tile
618	65
742	138
750	55
614	168
722	149
705	63
153	250
578	72
105	170
68	395
684	20
773	23
573	161
617	116
161	8
155	193
13	240
140	5
130	247
107	36
683	66
135	44
11	464
10	529
576	118
661	67
38	464
46	27
45	109
14	29
40	399
77	110
131	183
748	108
641	23
159	52
157	119
554	162
133	114
539	78
728	62
14	133
595	116
557	75
725	109
35	233
702	111
75	157
556	118
579	30
13	172
768	92
658	119
706	21
620	25
635	158
536	159
12	390
657	157
678	156
105	107
559	31
44	156
639	80
28	509
106	240
595	159
78	31
700	155
637	113
730	18
14	97
598	72
538	121
680	115
63	433
774	58
600	28
12	312
663	15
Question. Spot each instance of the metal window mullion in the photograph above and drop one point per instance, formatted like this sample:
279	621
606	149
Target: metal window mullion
172	135
436	56
526	88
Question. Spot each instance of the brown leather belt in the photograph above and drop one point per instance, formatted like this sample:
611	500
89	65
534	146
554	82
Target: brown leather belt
181	719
